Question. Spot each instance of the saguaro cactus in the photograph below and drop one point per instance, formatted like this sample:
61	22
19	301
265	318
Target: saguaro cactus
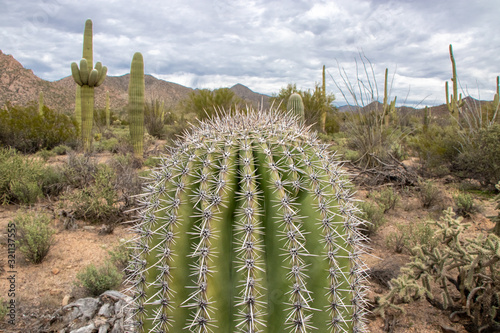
136	88
248	226
108	120
324	107
389	108
454	102
40	103
87	78
296	105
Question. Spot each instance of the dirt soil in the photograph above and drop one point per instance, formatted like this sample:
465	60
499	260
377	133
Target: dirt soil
41	289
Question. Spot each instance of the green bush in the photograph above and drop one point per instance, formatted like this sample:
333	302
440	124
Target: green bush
28	131
98	201
373	214
429	194
386	198
24	179
34	235
465	205
111	145
407	237
479	157
97	280
61	150
121	255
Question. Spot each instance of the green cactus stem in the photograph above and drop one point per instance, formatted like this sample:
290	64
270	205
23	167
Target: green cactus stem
107	110
40	103
78	107
295	105
427	119
322	116
453	101
389	108
87	78
136	104
248	226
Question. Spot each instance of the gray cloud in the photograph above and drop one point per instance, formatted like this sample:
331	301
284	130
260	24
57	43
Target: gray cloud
265	44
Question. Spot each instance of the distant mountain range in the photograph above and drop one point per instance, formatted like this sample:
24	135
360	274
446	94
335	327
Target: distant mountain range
21	86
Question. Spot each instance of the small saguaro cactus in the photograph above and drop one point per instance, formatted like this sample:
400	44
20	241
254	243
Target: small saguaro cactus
322	117
427	119
87	78
136	88
248	226
40	103
454	102
108	120
295	105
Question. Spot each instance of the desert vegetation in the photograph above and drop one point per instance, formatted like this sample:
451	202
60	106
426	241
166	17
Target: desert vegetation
416	187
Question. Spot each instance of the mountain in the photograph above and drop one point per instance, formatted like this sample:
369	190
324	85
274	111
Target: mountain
21	86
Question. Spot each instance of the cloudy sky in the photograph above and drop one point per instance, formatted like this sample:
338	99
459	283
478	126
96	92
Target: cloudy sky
266	44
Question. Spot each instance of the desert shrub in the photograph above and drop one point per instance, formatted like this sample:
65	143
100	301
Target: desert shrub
111	145
128	183
79	170
155	114
121	255
45	154
97	280
61	150
467	267
26	130
465	205
496	219
429	194
372	213
437	149
98	201
479	156
387	198
407	237
24	179
34	235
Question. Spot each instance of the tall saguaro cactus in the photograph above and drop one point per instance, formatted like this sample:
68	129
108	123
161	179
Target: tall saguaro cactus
389	108
136	88
40	103
296	105
87	78
248	226
453	101
324	107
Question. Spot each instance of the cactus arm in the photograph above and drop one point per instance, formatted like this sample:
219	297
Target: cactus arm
93	76
75	72
102	76
84	71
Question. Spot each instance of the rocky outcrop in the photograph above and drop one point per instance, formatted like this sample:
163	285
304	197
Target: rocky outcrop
106	314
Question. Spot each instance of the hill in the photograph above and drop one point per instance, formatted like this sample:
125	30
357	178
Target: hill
21	86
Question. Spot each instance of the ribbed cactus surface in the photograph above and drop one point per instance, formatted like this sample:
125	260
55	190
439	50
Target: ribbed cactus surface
136	89
248	226
296	105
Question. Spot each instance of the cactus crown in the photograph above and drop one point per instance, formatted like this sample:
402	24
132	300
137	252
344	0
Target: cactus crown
296	105
248	226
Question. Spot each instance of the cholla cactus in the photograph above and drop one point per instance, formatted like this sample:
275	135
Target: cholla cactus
248	226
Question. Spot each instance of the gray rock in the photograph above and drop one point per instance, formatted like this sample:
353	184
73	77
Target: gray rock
83	309
104	328
86	329
106	310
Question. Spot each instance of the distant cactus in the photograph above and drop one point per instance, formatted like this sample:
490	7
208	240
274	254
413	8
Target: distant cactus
324	107
87	78
389	108
107	110
427	119
40	103
136	88
454	102
248	226
296	105
78	108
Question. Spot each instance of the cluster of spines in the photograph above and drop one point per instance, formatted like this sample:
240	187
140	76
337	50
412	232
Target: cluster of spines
215	150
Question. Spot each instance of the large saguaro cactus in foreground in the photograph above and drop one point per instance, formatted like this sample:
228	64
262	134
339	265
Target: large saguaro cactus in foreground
248	226
87	78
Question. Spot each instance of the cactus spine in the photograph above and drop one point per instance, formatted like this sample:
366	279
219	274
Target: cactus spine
107	110
248	226
389	108
87	77
296	105
136	88
453	102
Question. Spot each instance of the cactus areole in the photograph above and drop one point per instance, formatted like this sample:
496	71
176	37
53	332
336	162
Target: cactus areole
248	226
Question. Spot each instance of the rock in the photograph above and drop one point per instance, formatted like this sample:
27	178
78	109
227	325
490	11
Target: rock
106	310
55	292
65	300
104	328
448	329
84	308
86	329
55	271
88	228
